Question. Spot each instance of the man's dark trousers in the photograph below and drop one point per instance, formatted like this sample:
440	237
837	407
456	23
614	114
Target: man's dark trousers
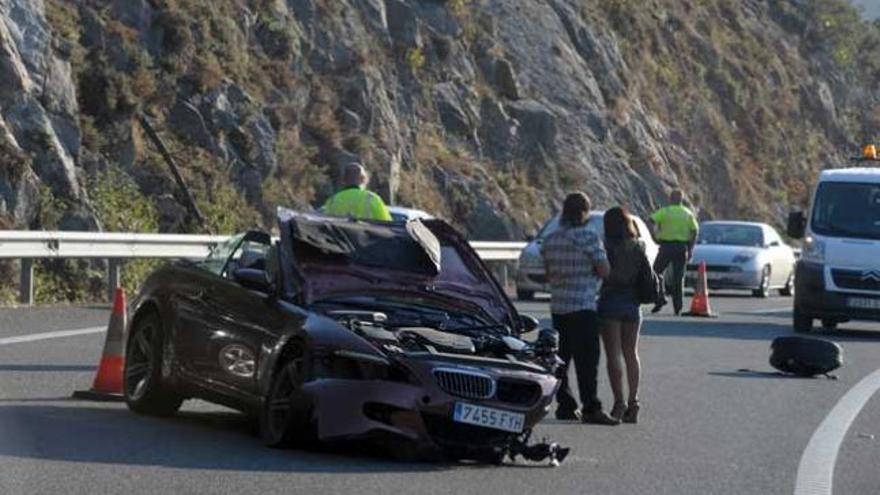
675	253
579	341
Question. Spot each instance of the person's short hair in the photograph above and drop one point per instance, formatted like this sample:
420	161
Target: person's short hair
354	174
676	196
575	209
619	224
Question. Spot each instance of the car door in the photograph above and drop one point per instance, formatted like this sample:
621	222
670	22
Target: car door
241	321
188	300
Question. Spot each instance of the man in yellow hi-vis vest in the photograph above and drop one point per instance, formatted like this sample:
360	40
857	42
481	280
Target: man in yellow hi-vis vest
354	200
676	231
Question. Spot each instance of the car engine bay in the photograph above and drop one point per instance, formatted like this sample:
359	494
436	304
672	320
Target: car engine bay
401	334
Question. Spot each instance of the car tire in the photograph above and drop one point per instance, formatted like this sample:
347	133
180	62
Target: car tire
285	414
802	322
763	290
525	295
828	324
143	386
788	289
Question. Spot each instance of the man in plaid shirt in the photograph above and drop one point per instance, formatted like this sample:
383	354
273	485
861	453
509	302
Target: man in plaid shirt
575	263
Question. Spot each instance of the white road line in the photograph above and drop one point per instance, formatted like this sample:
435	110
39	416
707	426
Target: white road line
50	335
815	473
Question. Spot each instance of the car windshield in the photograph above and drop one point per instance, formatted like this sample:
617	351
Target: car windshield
731	235
847	209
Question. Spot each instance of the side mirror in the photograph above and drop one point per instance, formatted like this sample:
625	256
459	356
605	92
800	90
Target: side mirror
252	279
529	323
797	225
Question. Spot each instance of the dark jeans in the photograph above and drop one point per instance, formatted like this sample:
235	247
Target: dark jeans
579	341
675	253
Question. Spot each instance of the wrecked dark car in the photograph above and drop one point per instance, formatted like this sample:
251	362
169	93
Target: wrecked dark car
388	334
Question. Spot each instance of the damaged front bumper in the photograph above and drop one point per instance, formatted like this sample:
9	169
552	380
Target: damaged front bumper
416	419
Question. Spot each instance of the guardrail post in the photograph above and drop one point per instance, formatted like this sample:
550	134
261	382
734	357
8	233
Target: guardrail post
500	272
114	277
26	288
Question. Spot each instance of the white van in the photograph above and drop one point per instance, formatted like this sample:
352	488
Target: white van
837	278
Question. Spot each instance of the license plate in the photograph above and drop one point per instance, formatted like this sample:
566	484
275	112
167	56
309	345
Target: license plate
863	303
488	417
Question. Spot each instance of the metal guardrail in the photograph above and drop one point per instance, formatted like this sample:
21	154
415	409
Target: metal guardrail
117	247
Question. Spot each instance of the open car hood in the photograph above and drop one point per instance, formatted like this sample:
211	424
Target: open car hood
324	256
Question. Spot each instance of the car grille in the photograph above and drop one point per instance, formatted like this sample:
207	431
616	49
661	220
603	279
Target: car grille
856	279
467	384
520	393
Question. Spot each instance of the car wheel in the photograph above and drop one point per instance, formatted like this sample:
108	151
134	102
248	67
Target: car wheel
828	324
525	295
284	417
788	289
763	290
143	386
803	323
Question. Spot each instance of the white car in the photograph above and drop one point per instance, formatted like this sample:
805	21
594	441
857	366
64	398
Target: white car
402	214
743	255
531	277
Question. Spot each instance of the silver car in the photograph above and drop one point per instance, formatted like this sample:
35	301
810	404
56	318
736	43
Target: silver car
403	213
531	277
743	255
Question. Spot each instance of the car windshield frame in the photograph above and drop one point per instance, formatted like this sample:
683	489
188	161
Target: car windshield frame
722	235
826	221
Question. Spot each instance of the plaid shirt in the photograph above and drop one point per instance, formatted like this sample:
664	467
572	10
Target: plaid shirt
570	255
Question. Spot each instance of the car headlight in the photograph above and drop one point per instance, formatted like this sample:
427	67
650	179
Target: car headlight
743	258
531	261
814	250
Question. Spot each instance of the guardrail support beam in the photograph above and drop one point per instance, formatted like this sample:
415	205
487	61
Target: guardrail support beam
501	273
26	287
114	277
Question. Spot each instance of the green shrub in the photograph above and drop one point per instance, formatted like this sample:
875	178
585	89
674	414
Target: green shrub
121	207
415	58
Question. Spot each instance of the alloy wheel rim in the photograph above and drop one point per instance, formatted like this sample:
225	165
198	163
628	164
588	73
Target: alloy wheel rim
139	362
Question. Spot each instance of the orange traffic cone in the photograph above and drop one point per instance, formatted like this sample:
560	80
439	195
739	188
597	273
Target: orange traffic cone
108	380
700	301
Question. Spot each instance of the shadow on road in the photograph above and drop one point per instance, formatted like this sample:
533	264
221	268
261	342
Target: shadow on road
763	374
703	328
46	367
745	331
190	440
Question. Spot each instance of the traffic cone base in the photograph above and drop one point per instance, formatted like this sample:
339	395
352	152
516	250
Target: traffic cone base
108	380
700	302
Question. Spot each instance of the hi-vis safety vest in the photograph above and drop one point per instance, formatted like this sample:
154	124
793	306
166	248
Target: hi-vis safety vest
358	203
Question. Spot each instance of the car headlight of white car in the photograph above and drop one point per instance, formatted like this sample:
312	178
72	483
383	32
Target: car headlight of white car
531	262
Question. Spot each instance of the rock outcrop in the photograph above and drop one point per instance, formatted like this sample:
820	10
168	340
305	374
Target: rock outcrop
482	111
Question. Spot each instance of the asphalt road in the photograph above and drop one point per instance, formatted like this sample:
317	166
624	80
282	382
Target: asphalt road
706	428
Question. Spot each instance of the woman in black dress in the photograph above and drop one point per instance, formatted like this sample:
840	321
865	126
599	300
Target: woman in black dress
619	310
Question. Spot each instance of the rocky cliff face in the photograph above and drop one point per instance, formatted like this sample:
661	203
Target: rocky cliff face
483	111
